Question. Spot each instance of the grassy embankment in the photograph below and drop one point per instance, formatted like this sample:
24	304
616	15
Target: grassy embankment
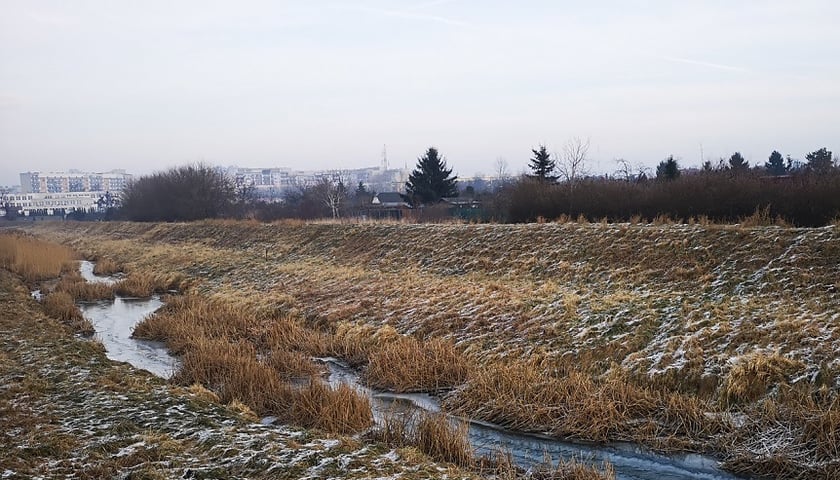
65	409
702	337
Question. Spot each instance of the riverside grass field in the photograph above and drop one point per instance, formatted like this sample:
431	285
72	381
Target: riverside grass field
709	338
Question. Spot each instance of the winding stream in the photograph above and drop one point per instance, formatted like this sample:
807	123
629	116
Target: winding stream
114	321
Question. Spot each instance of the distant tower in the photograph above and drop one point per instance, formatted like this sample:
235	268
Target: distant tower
384	158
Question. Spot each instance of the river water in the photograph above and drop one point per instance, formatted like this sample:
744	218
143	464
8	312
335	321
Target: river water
115	320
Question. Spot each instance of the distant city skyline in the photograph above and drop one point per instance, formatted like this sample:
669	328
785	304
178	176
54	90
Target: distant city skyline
100	85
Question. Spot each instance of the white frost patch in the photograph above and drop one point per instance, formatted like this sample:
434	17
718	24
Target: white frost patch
130	449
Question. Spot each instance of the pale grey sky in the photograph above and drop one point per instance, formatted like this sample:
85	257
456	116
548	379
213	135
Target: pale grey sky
103	84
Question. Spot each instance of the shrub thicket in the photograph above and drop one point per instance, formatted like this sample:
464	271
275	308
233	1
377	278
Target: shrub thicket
802	199
185	193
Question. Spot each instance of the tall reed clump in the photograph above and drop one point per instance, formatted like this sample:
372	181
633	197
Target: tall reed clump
338	410
432	433
186	319
144	284
576	405
437	437
232	371
106	266
406	364
83	291
34	259
61	306
246	355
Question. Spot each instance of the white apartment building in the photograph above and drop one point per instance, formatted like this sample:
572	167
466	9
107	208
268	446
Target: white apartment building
73	181
277	180
62	203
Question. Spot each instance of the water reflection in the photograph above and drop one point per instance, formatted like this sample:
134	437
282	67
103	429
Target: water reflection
114	322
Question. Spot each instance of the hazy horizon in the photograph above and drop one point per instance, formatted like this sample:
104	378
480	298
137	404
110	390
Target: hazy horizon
97	85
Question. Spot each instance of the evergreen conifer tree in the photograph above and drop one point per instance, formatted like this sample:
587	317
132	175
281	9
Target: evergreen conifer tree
820	161
668	169
737	162
431	180
775	165
542	165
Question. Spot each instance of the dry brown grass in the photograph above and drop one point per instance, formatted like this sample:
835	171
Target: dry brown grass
34	259
185	320
106	266
232	371
437	437
61	306
573	470
219	342
82	291
752	375
406	364
670	303
572	404
762	218
336	410
144	284
434	434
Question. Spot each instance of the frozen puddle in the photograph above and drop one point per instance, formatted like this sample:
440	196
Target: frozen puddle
115	320
528	450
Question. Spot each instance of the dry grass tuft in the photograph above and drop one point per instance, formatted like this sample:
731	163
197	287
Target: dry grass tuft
291	365
34	259
406	364
437	437
61	306
763	218
433	434
573	470
82	291
105	267
340	410
188	319
143	284
753	374
232	371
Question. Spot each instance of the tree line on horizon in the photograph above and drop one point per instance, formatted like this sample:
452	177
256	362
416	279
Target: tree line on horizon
557	185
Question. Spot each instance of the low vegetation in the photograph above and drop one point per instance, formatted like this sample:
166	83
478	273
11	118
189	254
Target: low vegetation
712	338
106	267
67	411
34	259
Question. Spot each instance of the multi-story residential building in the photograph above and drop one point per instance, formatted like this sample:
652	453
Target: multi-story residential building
73	181
61	203
278	180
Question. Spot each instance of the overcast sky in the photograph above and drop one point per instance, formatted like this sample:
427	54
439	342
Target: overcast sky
146	85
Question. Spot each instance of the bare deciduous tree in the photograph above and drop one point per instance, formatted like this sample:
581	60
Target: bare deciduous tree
572	163
500	168
333	192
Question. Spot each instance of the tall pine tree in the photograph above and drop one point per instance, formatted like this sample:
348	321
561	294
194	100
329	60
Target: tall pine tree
542	165
737	163
775	165
431	180
820	161
668	169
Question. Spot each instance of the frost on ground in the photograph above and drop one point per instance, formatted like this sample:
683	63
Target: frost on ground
66	411
657	299
729	315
